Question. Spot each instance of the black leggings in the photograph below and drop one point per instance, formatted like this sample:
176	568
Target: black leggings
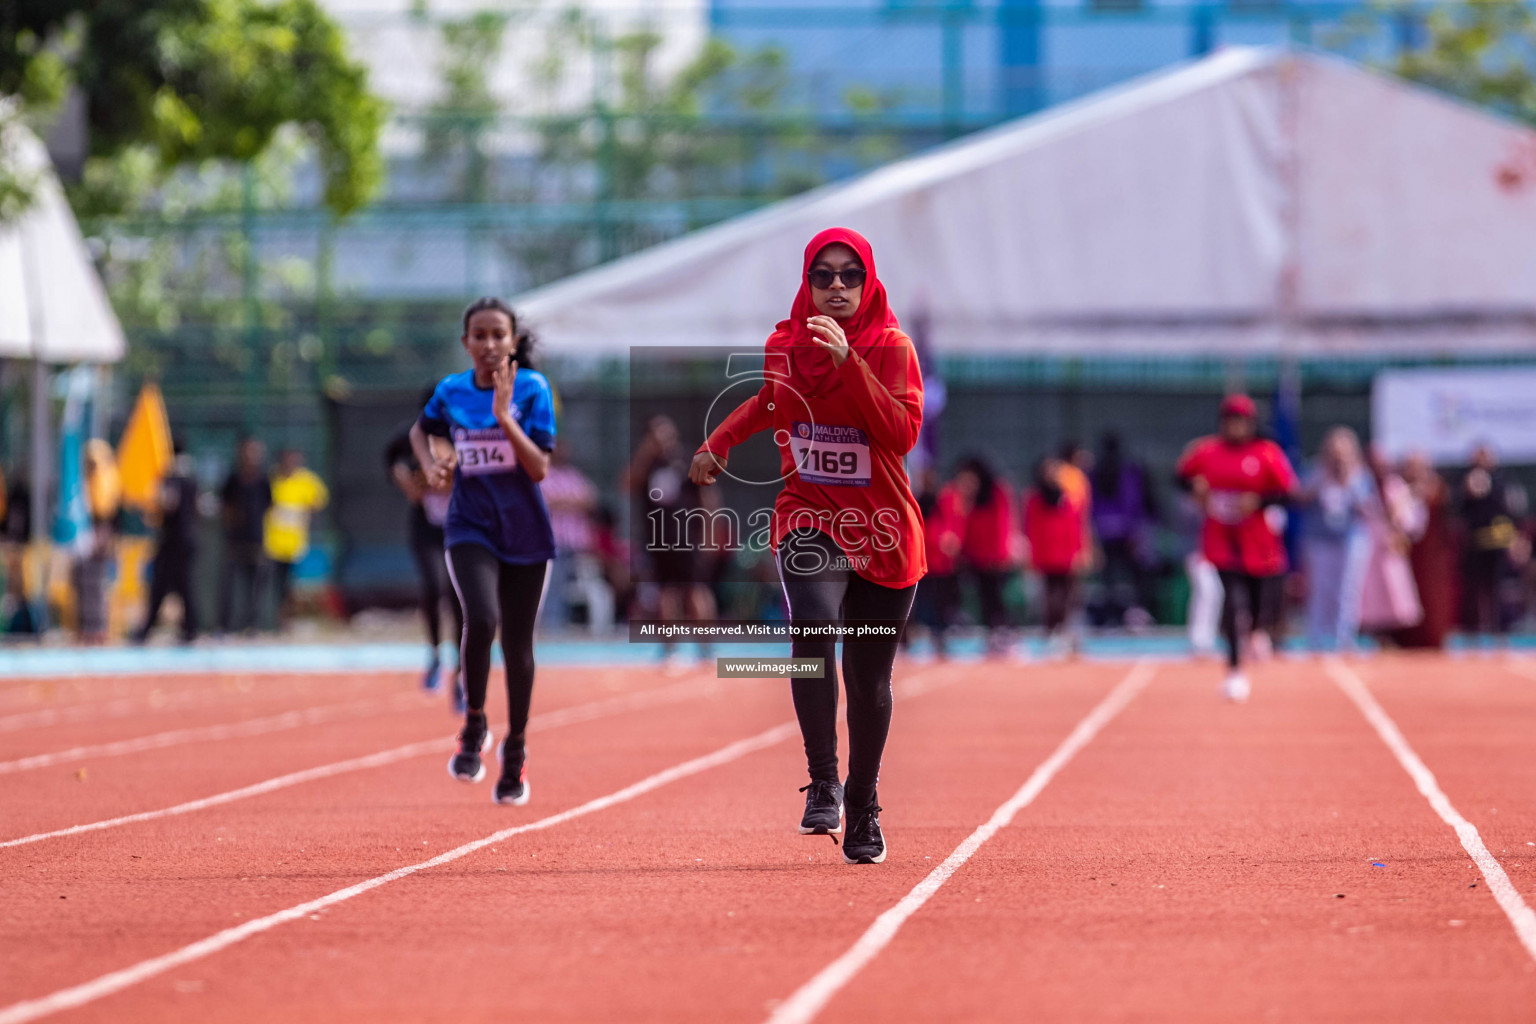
989	593
820	588
1060	596
492	591
432	567
938	599
1243	609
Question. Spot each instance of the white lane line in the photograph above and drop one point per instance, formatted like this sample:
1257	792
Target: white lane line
1504	892
122	707
232	730
116	981
111	709
548	720
812	997
1520	666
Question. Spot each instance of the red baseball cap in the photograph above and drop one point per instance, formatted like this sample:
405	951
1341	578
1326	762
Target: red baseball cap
1239	405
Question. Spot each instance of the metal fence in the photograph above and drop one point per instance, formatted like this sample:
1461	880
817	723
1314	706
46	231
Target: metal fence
254	315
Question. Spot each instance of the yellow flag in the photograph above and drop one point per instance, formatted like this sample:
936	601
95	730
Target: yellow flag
144	454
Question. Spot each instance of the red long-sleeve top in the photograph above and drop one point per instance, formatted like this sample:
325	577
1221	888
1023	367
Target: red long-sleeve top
841	450
989	532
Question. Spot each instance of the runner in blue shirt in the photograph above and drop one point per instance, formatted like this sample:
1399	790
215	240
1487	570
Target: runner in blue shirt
500	418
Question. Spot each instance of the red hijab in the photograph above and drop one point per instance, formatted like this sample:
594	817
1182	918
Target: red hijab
810	365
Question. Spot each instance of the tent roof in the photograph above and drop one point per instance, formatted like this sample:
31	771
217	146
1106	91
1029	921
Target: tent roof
1256	200
52	304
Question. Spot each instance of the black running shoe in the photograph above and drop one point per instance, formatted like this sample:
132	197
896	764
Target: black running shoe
512	787
474	739
823	809
864	843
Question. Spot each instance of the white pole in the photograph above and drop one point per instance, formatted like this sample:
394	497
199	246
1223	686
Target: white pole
42	449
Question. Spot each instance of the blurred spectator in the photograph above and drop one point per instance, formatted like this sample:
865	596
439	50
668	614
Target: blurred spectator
938	593
16	526
1072	469
1491	542
1389	599
245	498
657	477
990	549
1124	513
297	494
1072	466
92	568
570	497
1339	498
424	530
175	562
16	613
612	552
1053	530
1432	556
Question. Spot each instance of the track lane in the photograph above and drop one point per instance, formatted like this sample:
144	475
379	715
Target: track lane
574	714
1188	866
1472	722
33	702
89	790
140	891
696	903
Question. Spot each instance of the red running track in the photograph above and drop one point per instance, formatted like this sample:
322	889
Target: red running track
1190	860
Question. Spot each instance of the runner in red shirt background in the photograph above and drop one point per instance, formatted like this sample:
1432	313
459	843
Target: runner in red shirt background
844	398
991	551
1056	540
938	595
1240	481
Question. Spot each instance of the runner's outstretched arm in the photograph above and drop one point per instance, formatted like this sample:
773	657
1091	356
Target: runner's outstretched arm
745	420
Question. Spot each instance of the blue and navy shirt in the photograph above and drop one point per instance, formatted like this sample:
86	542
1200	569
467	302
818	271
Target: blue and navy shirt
495	503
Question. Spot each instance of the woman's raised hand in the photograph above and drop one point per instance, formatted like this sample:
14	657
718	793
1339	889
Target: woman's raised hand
504	377
828	333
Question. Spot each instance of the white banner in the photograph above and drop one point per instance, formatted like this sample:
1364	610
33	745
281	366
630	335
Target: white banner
1446	413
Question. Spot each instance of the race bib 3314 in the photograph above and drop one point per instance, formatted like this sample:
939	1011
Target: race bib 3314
483	451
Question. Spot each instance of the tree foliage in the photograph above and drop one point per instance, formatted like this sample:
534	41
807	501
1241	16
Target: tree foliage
193	80
459	122
1483	51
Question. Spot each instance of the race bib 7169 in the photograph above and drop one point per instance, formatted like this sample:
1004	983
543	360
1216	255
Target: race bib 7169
830	455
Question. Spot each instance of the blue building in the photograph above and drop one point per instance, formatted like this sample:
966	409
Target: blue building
961	64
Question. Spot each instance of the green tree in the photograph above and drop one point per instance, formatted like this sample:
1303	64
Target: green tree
464	115
1483	51
193	80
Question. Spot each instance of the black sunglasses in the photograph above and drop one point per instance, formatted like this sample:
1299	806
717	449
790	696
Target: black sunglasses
821	277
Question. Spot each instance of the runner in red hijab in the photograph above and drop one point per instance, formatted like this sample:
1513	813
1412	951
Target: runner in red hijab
844	398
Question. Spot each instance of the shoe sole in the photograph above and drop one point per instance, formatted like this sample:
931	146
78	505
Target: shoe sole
479	774
516	801
866	860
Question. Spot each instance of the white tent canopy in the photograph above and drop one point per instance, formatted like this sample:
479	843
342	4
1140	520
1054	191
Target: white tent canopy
1257	201
52	304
